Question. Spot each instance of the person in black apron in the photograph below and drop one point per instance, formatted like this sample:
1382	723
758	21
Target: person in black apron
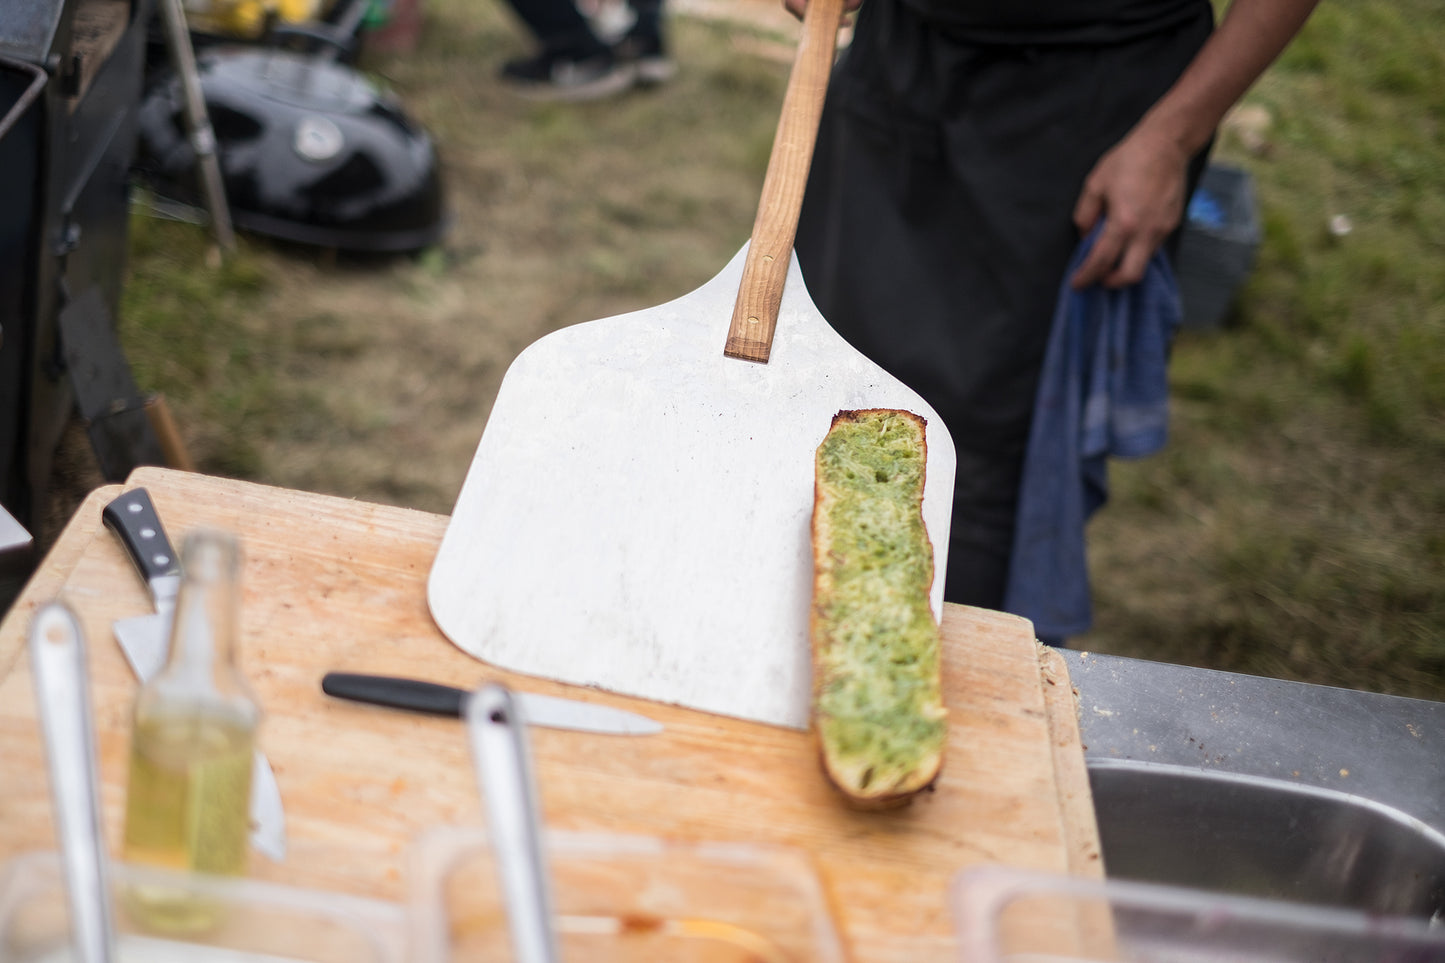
965	147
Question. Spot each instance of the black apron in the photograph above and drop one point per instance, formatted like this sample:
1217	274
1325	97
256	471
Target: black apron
938	220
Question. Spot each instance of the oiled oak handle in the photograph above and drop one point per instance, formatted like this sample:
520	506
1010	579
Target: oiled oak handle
755	313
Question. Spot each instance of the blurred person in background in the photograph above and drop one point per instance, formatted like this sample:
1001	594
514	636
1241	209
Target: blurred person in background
966	148
574	63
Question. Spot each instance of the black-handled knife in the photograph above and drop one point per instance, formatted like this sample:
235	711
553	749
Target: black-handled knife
417	695
145	640
134	520
396	693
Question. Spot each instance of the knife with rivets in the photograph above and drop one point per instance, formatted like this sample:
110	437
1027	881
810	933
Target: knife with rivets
145	640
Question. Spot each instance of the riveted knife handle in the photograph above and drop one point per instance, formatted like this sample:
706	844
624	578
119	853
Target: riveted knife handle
395	693
136	523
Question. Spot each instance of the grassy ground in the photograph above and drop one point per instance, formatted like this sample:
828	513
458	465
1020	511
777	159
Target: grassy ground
374	377
1295	526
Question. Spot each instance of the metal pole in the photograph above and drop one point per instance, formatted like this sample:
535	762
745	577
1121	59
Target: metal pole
198	122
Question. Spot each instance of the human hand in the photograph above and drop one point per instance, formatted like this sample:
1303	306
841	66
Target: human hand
1138	188
796	7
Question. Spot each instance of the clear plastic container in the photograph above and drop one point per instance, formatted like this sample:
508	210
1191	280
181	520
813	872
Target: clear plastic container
632	898
1005	915
255	922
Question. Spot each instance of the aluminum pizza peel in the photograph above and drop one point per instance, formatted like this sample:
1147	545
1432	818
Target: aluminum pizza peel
637	513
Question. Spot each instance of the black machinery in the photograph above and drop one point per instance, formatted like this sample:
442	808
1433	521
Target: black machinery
310	150
71	74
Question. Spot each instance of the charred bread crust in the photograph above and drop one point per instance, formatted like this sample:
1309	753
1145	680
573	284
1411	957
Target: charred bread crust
878	712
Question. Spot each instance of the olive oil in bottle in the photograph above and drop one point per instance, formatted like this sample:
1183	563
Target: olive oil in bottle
192	742
190	785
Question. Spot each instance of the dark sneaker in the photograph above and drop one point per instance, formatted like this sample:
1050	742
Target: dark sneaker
556	76
646	54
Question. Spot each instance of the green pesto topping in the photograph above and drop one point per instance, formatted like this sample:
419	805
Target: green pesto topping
878	700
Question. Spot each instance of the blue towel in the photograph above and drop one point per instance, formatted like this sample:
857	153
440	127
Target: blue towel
1103	391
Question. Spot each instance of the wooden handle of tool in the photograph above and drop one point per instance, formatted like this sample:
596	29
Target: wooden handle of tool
755	314
173	449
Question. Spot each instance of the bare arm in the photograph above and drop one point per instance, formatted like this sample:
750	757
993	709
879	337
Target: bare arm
1139	184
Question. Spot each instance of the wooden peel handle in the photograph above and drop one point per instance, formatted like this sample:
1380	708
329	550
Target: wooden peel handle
755	314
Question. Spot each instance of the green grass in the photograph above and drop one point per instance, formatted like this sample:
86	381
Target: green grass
189	326
1295	525
563	213
1308	446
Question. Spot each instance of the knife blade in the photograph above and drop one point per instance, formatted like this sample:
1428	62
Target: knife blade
145	640
551	712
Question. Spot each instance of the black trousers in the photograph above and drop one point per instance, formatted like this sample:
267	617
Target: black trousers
560	27
937	224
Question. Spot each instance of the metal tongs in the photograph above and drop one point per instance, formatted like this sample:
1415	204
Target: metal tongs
504	770
62	693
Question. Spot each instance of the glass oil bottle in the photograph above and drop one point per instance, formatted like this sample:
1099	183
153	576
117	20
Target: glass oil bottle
192	741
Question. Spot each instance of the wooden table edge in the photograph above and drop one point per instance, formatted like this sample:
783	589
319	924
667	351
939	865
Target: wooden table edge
1078	828
48	580
1081	828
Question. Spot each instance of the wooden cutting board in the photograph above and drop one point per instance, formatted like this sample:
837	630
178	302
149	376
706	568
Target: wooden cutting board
337	584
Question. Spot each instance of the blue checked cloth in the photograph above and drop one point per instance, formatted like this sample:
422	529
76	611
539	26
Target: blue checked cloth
1103	391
